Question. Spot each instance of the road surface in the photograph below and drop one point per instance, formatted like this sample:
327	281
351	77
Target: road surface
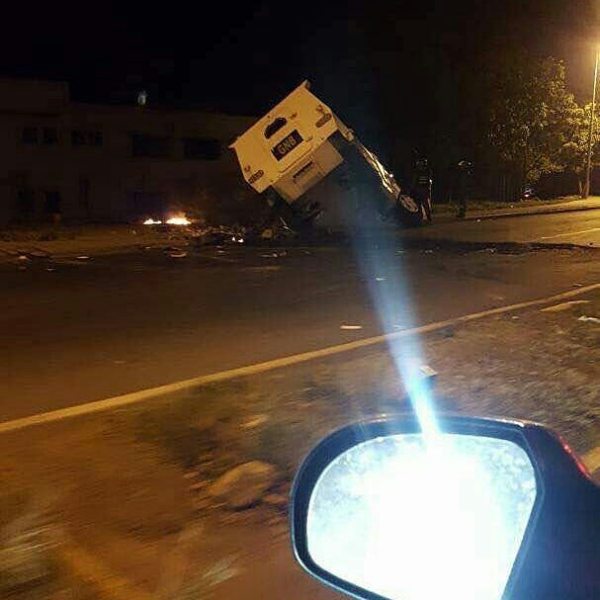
580	227
78	331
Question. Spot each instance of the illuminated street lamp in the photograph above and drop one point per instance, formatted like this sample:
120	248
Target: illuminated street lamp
588	174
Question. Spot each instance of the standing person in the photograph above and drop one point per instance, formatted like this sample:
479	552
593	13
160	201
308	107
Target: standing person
421	185
462	186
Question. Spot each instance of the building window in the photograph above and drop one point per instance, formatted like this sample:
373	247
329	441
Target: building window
29	135
86	138
149	145
50	135
201	148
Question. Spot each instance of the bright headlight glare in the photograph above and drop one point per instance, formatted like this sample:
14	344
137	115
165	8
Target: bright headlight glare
413	520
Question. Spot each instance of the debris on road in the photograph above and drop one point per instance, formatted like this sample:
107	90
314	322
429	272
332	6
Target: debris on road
37	253
428	376
255	421
350	327
428	373
564	306
586	319
447	332
244	485
274	254
82	257
175	252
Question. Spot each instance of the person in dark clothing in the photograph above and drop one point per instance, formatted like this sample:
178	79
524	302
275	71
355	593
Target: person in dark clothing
421	185
462	186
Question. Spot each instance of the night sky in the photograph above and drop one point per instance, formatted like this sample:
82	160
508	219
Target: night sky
394	70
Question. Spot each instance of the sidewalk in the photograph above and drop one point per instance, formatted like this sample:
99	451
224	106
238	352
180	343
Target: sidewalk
90	240
526	208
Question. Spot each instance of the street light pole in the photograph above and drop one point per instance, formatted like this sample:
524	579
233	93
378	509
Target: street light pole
588	175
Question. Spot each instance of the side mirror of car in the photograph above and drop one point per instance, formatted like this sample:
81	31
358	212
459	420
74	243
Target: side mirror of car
481	510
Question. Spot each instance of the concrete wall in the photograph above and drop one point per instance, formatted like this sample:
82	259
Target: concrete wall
95	176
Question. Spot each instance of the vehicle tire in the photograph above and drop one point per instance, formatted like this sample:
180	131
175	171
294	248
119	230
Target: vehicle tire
280	209
408	211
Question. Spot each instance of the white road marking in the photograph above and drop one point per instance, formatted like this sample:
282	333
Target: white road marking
559	235
286	361
564	306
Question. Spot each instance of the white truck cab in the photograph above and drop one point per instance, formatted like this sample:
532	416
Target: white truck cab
298	143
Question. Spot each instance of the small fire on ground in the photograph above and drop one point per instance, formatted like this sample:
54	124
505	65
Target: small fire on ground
178	219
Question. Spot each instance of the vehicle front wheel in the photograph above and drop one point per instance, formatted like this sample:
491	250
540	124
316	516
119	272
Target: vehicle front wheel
408	211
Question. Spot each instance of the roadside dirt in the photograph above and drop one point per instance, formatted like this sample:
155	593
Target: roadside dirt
129	488
92	240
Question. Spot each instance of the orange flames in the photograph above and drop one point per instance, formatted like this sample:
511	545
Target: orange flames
176	219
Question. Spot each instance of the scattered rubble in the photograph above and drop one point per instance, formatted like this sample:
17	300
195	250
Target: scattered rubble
587	319
39	254
220	235
255	421
244	485
428	373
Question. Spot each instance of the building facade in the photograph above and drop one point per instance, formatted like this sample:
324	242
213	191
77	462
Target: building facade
75	162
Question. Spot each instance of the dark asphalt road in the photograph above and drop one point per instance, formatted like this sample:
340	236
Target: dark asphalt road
90	330
580	227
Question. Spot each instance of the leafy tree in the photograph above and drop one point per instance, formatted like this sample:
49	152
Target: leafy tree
532	117
574	151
